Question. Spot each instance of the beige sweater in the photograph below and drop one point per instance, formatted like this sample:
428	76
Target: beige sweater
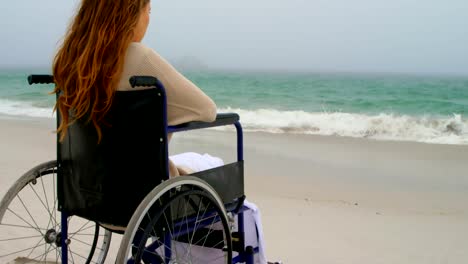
185	101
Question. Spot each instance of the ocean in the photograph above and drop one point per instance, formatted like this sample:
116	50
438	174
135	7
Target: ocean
395	107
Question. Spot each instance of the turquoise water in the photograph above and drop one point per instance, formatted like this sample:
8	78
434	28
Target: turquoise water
14	87
338	92
381	106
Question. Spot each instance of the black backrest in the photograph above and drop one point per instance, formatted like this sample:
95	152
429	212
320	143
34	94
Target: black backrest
105	182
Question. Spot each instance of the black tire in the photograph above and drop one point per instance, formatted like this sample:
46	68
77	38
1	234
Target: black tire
178	217
30	223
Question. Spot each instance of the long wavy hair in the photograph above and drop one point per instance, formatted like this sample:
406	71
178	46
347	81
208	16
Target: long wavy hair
89	63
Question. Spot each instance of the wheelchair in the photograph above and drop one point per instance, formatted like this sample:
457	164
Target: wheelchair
66	211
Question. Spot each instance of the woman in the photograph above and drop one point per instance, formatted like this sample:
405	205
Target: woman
99	54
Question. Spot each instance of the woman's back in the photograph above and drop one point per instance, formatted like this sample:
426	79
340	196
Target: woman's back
101	51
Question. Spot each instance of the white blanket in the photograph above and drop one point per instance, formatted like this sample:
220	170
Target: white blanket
252	220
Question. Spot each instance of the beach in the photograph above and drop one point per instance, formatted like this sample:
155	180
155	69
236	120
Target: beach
355	120
323	199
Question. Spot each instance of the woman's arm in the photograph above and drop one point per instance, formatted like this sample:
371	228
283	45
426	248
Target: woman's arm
185	101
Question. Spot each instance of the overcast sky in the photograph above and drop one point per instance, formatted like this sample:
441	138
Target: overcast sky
420	36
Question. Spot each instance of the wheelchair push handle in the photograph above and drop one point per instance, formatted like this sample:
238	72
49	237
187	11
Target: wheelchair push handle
143	81
40	78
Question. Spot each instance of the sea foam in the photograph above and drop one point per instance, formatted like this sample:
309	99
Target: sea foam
430	129
19	108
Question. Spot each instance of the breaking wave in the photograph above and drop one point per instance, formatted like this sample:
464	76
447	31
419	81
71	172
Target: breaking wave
430	129
20	108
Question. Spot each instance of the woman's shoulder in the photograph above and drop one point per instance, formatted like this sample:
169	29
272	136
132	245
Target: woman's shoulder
142	53
140	48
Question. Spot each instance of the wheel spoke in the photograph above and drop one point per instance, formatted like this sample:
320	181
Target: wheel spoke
177	217
19	238
26	222
186	218
71	255
208	234
54	211
77	234
150	252
32	218
57	252
38	197
186	224
47	203
82	228
45	253
37	244
21	226
19	251
45	247
150	221
84	243
168	225
185	246
42	202
195	226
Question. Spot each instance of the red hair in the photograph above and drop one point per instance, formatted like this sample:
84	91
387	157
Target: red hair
89	63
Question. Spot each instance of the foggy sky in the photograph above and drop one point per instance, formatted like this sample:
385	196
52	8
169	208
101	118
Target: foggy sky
415	36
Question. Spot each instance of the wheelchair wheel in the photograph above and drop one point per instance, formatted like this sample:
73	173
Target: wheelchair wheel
30	224
182	220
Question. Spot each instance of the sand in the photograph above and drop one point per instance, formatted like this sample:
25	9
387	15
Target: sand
322	199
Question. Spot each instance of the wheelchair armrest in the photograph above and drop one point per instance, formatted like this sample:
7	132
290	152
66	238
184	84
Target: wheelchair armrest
223	119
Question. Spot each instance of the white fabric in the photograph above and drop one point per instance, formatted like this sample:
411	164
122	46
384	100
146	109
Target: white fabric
254	231
195	161
252	219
